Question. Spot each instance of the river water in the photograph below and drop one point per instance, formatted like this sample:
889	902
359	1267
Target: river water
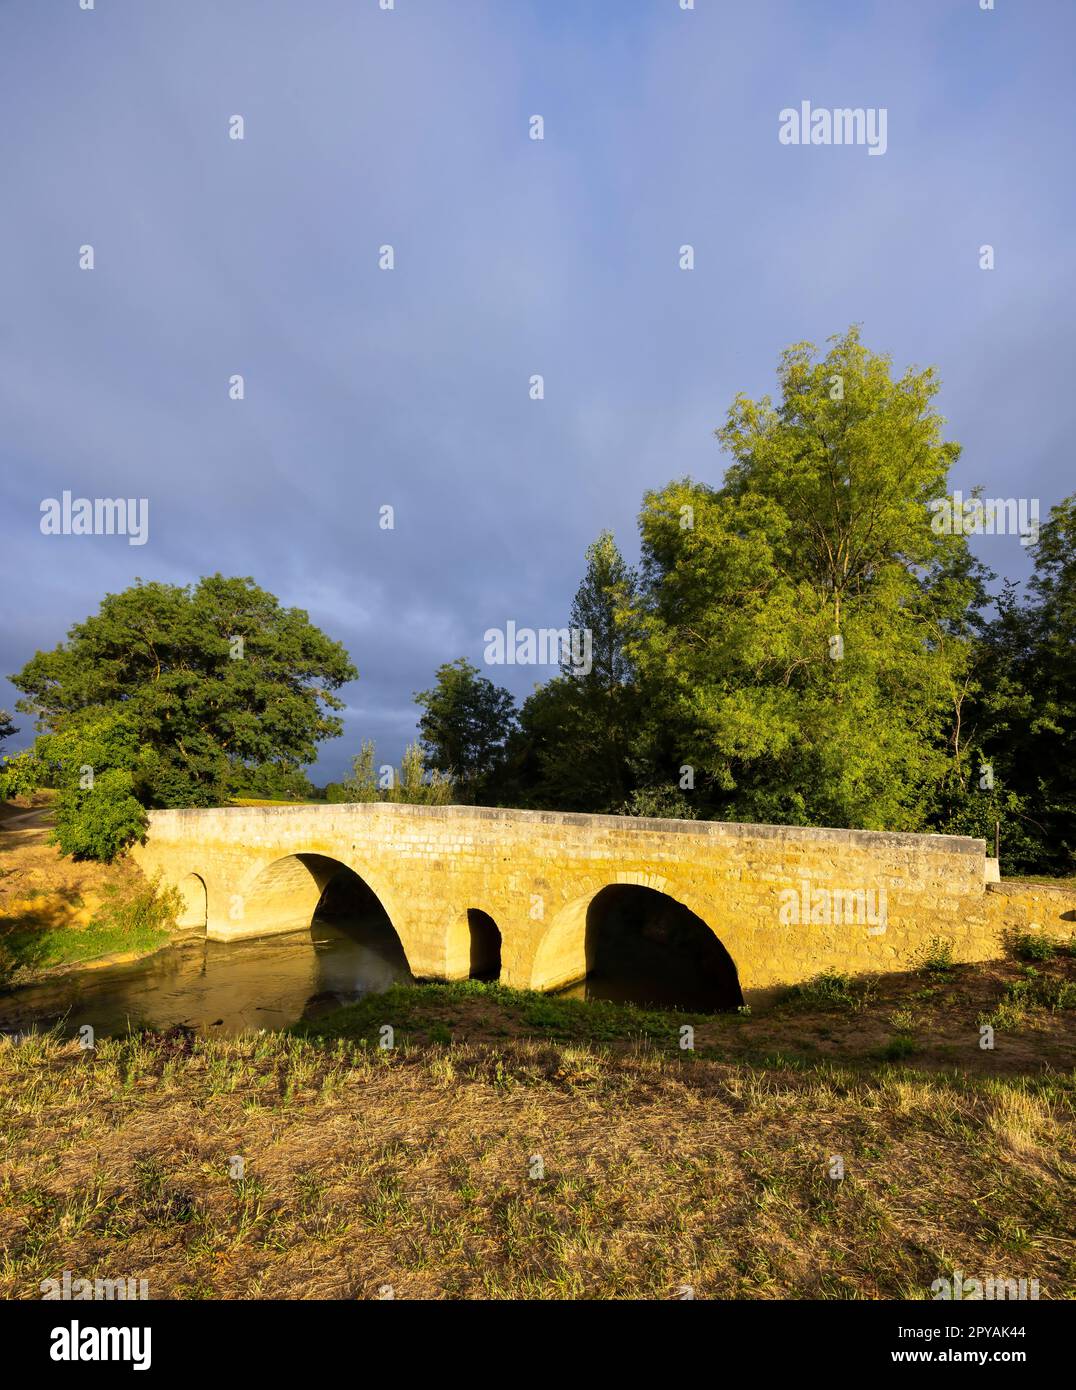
218	988
647	949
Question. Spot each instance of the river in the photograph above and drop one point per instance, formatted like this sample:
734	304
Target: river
218	988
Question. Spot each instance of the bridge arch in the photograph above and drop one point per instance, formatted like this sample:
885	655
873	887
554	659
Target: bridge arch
473	947
283	895
193	912
643	922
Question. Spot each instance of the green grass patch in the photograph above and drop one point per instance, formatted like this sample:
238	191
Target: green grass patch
140	922
830	990
443	1013
896	1050
1033	992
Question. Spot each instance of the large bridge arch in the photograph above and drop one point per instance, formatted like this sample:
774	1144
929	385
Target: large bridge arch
282	894
564	954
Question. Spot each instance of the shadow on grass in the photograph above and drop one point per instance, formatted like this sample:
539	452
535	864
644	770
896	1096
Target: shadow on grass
932	1018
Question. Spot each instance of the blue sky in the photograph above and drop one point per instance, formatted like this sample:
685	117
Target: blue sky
513	257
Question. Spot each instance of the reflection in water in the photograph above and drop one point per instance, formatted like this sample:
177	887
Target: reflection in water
220	987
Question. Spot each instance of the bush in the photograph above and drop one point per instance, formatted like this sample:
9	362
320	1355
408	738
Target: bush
1023	996
975	813
936	956
99	822
826	991
19	776
148	912
93	762
659	803
419	787
1026	945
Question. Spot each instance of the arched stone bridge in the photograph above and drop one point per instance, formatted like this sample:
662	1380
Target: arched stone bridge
785	902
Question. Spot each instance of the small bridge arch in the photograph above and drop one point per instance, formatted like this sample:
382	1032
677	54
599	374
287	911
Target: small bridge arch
193	912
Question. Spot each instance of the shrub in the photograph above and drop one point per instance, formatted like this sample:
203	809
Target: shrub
1033	991
1026	945
829	990
101	821
936	956
659	803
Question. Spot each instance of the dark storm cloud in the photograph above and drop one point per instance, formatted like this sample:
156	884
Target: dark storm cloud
513	257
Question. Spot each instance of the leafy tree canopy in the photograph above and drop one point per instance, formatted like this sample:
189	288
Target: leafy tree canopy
801	634
214	680
465	724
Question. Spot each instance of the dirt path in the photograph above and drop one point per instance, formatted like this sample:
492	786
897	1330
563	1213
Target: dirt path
15	818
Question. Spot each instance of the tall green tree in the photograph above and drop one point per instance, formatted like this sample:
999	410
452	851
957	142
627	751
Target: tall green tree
1024	716
361	782
608	587
803	626
216	680
7	725
1049	672
465	725
578	728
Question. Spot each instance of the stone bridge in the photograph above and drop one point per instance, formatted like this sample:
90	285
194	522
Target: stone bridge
785	902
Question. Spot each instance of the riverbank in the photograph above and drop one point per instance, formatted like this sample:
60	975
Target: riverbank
933	1019
57	913
521	1146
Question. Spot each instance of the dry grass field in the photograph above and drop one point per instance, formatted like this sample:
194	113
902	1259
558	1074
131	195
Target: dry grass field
518	1146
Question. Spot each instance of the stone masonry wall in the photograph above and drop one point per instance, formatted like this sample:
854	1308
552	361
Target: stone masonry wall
536	872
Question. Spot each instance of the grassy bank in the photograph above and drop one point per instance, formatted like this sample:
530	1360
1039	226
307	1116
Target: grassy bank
516	1146
932	1018
32	941
55	911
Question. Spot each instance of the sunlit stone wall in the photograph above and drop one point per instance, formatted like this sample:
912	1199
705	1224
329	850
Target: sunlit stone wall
785	902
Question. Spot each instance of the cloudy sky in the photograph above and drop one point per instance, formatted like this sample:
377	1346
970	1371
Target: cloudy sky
513	257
